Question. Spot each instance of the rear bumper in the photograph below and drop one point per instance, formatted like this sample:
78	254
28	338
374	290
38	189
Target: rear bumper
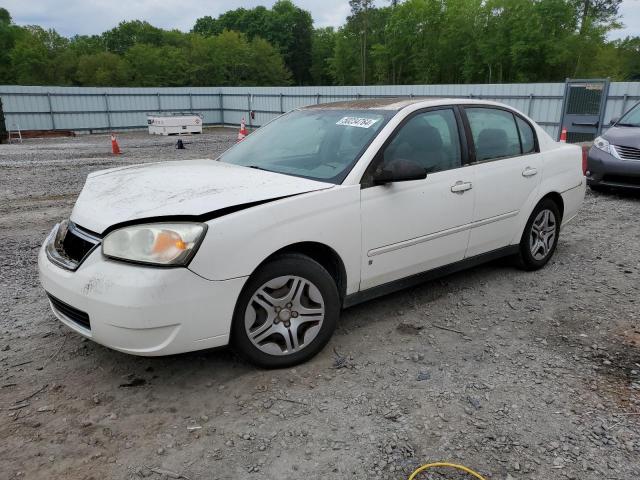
140	310
606	170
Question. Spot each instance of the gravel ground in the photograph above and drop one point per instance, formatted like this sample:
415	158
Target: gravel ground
517	375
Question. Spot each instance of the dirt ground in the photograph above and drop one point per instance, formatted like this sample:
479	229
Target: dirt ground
517	375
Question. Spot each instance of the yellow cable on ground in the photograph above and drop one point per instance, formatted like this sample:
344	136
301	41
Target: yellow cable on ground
449	465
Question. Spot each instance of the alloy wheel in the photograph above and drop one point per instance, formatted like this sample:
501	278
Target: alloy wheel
284	315
543	234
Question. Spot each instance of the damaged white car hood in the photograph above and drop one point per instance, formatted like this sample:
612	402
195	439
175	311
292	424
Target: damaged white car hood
190	188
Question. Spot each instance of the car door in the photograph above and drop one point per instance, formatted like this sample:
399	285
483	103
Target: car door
413	226
507	171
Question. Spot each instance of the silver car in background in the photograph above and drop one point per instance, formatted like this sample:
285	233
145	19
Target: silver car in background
614	159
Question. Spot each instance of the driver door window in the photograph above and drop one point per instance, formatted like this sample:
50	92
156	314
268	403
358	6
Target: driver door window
429	139
413	226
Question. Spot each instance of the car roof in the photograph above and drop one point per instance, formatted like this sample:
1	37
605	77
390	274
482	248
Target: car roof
394	103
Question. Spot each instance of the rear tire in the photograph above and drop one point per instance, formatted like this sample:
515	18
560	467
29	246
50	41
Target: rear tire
286	312
540	236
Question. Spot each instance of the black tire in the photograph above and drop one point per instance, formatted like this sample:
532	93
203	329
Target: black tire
526	259
286	265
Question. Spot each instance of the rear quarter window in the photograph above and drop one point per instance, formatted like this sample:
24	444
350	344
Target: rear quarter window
527	137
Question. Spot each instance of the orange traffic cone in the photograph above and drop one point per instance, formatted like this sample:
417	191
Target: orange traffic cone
243	131
563	135
115	148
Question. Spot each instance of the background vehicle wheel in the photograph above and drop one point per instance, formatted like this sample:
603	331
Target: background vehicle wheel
540	236
286	312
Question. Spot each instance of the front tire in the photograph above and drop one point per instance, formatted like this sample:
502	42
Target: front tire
540	236
286	312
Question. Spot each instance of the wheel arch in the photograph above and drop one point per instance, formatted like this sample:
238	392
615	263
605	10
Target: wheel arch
555	196
321	253
557	199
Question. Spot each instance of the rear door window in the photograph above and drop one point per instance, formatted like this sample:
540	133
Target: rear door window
494	132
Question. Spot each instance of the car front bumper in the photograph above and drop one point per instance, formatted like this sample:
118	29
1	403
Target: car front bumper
138	309
606	170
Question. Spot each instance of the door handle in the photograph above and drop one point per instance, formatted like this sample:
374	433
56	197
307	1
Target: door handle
529	172
461	187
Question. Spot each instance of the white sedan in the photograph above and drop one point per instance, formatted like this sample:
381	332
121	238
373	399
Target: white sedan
322	208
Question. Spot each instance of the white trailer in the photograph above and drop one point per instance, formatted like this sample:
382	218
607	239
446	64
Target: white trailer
174	124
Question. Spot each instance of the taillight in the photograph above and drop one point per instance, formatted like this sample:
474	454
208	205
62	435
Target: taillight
585	157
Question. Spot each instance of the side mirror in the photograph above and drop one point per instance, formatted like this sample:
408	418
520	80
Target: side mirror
400	171
614	120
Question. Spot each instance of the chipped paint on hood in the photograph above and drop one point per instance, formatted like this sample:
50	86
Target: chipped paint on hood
191	187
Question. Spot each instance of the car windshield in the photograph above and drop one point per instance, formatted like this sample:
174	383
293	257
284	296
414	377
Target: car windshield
631	118
317	144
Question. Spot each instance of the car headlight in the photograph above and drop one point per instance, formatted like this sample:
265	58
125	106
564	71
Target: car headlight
169	244
605	146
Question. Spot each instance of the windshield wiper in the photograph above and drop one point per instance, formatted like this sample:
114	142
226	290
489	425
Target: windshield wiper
256	167
622	124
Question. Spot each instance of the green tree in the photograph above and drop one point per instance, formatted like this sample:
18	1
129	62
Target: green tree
128	34
413	37
291	29
266	65
285	26
29	60
206	26
34	57
234	57
152	66
9	33
204	61
360	21
596	18
345	62
593	12
413	41
5	17
621	57
86	44
102	69
323	43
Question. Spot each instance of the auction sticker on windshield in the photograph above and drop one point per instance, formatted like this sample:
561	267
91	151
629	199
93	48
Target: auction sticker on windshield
357	122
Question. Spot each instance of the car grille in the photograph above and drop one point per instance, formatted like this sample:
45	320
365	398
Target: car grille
76	245
623	180
69	245
76	316
628	153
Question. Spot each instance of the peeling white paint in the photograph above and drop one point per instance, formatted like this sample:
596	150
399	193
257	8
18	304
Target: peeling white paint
192	187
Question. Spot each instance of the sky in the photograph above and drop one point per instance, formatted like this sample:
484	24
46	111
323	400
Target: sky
71	17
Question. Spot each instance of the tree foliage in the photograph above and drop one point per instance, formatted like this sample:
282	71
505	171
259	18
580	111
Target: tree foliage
137	54
285	26
398	42
323	44
480	41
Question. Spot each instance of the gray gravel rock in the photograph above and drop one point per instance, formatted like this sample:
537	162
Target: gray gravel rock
551	357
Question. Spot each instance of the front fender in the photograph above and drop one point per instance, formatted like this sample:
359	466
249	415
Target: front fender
237	243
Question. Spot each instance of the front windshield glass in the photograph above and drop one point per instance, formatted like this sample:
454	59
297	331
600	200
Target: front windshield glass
631	118
317	144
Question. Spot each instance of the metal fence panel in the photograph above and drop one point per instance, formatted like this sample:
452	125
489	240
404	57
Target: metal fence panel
93	108
622	96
